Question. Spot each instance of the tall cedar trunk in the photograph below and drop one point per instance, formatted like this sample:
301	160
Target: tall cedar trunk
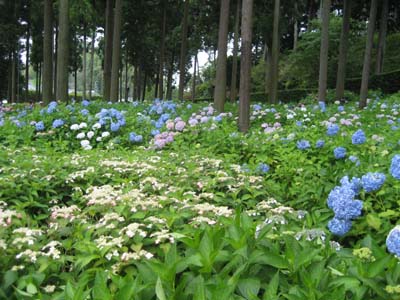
28	35
344	36
144	85
108	49
40	98
182	61
62	52
55	59
126	74
84	62
273	95
116	51
17	70
14	77
169	78
76	84
162	50
36	83
220	78
268	72
120	84
139	82
157	82
245	66
367	55
91	64
233	93
48	52
136	96
323	56
382	37
295	28
194	78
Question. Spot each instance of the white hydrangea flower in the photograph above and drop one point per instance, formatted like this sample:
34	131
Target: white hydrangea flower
98	139
85	143
90	134
96	126
80	135
74	127
105	134
82	125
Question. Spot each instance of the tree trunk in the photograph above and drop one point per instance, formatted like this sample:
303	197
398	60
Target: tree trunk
139	82
84	62
136	95
341	71
220	78
40	98
194	78
36	83
170	75
28	36
382	37
14	78
62	52
233	93
367	55
295	28
323	56
108	47
144	86
162	50
120	95
116	51
157	82
126	75
76	84
245	66
48	52
91	64
55	60
273	90
182	61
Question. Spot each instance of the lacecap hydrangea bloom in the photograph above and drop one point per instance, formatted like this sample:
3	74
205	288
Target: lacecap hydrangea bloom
39	126
58	123
303	144
395	167
393	241
135	138
358	137
319	144
372	181
339	152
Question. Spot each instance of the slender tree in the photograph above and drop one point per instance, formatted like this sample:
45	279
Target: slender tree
233	93
245	66
116	51
367	55
344	36
273	91
162	52
220	79
62	51
170	75
295	27
84	60
194	77
91	64
14	76
108	47
182	61
48	52
28	37
382	37
323	55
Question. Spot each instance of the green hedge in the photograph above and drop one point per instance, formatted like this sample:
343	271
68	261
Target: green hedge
388	83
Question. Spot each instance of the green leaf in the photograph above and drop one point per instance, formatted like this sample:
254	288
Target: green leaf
31	288
268	258
9	278
200	293
249	287
159	290
271	292
377	266
100	289
374	221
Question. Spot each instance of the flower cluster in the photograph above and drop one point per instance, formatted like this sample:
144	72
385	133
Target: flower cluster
395	167
303	145
339	152
112	116
332	129
373	181
358	137
135	138
393	241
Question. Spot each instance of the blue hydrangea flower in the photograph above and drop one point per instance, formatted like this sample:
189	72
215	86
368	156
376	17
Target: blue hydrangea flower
303	145
319	143
339	227
372	181
393	241
135	138
339	152
85	103
84	112
58	123
340	194
218	118
355	183
395	167
340	108
299	123
263	168
332	129
154	132
39	126
354	159
257	107
115	127
358	137
51	107
348	210
1	122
